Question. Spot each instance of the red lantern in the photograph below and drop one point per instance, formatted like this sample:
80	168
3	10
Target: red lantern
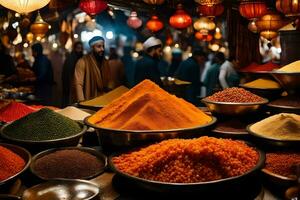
211	11
154	24
206	38
180	19
252	9
133	21
93	7
290	8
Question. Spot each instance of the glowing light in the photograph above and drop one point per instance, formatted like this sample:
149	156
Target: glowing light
5	25
54	45
135	55
49	26
15	25
17	15
176	45
167	49
215	47
38	38
190	54
222	49
25	45
75	35
109	35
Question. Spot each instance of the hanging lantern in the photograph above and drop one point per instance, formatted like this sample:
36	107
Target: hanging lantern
59	4
209	2
252	9
269	24
204	25
154	24
206	38
180	19
93	7
211	11
252	27
39	28
154	2
290	8
133	21
218	34
24	6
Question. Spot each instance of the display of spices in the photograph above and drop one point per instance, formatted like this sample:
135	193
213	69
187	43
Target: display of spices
283	163
73	113
280	126
44	124
189	160
289	101
69	163
148	107
107	98
14	111
254	67
263	83
235	95
293	67
10	163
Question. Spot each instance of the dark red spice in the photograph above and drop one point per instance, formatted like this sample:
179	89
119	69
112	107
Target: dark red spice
14	111
10	163
68	164
254	67
289	101
283	163
235	95
232	125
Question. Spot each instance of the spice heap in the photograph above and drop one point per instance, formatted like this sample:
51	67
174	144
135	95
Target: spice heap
235	95
44	124
263	83
73	113
189	161
73	164
280	126
293	67
10	163
14	111
289	101
106	98
254	67
148	107
283	163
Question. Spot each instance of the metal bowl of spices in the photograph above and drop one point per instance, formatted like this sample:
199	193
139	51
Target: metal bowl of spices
289	80
269	93
14	160
63	189
233	109
117	139
288	104
69	163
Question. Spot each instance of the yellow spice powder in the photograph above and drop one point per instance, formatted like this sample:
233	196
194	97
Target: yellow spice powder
280	126
263	83
292	67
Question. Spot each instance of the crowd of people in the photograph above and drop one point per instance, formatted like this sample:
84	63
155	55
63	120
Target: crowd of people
87	76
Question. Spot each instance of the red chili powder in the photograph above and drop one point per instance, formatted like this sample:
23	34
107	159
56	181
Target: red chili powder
10	163
14	111
254	67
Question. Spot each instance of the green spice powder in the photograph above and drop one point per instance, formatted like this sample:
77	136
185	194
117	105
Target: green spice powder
44	124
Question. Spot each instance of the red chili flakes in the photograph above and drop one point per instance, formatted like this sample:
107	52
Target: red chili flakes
235	95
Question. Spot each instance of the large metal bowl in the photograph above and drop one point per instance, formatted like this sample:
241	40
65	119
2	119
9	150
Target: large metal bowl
289	81
271	141
116	139
91	151
24	154
211	186
63	189
36	146
268	93
233	109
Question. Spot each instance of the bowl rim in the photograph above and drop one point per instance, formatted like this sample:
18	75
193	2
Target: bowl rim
260	89
9	196
27	164
248	128
285	73
260	163
206	101
84	149
212	122
282	106
62	180
272	174
3	135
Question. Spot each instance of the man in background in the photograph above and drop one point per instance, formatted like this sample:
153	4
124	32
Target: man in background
147	66
92	72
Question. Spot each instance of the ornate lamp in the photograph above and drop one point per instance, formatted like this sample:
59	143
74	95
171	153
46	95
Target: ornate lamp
93	7
180	19
39	28
154	24
204	25
211	11
24	6
133	21
290	8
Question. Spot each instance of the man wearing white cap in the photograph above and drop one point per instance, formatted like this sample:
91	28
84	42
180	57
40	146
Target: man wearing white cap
92	73
147	67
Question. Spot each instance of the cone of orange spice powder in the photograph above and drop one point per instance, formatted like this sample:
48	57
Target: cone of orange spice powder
148	107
